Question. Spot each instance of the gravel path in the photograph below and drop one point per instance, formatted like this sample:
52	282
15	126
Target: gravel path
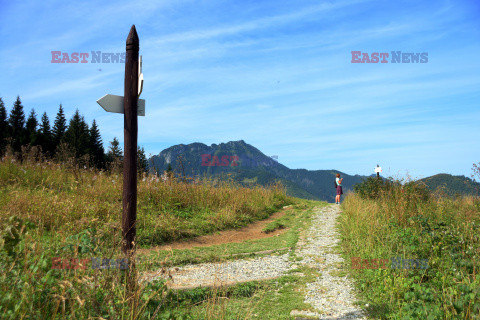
331	294
219	274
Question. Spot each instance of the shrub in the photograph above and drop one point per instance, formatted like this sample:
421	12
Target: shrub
371	188
417	190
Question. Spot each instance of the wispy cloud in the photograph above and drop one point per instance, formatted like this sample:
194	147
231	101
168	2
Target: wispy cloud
255	24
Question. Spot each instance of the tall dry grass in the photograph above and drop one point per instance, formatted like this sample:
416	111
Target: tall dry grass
63	199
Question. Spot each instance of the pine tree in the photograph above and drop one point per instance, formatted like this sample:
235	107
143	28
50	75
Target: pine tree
85	139
59	128
4	129
32	123
168	174
96	146
114	155
142	163
45	135
114	151
17	125
77	135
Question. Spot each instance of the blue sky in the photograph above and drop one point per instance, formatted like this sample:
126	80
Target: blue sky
277	74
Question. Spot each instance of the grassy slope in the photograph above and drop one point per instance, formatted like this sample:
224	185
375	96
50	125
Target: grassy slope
51	211
63	201
399	224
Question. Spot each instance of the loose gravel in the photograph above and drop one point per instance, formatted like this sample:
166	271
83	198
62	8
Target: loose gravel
230	272
331	294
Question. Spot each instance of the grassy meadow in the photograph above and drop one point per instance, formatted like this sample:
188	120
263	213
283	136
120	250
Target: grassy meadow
50	210
406	221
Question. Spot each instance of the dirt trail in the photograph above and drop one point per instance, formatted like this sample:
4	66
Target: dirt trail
251	232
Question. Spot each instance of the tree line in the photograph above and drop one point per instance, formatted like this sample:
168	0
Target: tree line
77	139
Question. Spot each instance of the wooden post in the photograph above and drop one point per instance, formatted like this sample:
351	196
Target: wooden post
129	216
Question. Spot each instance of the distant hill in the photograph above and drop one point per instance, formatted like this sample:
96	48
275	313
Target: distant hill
251	166
452	185
248	165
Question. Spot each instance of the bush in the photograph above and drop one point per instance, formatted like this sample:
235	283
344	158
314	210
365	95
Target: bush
417	190
371	188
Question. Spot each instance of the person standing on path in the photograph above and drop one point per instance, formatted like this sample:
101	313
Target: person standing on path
338	183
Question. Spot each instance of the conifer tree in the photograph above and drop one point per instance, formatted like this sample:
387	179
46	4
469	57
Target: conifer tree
32	134
59	128
114	155
4	129
96	146
17	125
142	163
114	151
77	135
45	135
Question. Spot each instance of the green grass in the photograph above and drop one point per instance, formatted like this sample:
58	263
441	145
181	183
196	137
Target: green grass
400	222
281	223
297	219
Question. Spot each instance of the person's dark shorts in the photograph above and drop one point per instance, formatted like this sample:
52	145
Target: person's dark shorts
339	190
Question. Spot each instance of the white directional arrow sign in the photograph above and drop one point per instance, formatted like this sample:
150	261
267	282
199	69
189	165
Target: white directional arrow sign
113	103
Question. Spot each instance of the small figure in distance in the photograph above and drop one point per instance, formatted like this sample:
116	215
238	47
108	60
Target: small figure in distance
338	183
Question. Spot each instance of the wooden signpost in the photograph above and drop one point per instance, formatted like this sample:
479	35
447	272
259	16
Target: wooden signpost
131	107
130	130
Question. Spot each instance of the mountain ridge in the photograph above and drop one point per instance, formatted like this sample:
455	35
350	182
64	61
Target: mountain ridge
452	185
253	165
248	165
